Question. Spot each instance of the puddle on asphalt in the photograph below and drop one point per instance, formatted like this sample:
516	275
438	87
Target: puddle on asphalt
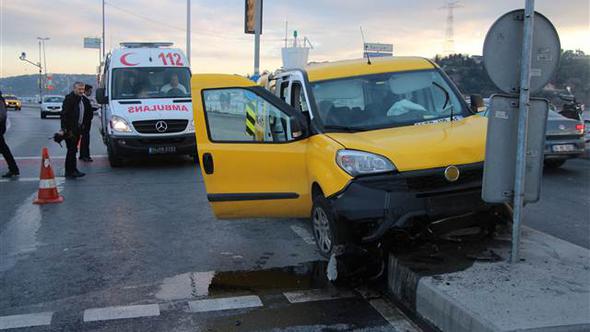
308	275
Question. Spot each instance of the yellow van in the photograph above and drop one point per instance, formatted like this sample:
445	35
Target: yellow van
361	148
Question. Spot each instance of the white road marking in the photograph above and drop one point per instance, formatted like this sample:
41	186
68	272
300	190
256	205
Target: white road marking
304	234
27	320
395	317
316	295
21	179
239	302
54	157
122	312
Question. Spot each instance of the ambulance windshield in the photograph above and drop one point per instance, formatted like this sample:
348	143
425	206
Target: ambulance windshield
152	82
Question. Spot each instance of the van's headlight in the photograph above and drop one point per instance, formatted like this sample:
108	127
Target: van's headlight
359	163
119	124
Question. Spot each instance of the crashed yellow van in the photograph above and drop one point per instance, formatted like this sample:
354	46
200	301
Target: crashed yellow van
359	148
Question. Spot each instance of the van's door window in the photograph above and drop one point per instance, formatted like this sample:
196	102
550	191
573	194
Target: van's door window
298	99
240	115
150	82
284	88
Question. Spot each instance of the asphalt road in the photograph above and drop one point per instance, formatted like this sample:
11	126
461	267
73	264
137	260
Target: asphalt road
140	244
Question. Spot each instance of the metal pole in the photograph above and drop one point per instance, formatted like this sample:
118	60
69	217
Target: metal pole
188	31
103	39
524	105
257	32
40	73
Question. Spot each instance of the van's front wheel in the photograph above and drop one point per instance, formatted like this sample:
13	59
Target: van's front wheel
327	230
114	160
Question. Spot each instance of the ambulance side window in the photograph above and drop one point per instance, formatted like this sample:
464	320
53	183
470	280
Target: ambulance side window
240	115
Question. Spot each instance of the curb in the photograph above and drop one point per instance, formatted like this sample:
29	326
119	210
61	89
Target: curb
457	301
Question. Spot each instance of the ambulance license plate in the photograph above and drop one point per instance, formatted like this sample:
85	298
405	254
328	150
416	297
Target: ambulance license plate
161	149
563	148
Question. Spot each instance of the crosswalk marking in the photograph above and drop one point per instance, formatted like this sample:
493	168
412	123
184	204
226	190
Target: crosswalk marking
27	320
393	316
316	295
122	312
239	302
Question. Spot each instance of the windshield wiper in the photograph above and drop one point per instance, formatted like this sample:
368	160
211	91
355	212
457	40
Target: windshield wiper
343	128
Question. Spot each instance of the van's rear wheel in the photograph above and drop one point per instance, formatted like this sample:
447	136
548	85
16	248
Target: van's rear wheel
328	232
114	160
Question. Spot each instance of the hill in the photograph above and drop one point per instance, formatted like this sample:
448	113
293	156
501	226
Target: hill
28	86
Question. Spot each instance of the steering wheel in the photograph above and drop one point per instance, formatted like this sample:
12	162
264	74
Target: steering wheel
175	92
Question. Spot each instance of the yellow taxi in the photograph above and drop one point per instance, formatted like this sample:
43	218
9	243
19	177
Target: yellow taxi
359	148
11	101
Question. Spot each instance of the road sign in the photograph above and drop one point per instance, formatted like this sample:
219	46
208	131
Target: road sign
499	171
250	17
503	47
91	42
375	50
379	47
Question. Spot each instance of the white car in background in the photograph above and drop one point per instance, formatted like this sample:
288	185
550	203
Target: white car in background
51	105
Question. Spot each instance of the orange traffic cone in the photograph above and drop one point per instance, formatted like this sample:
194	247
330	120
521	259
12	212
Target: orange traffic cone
47	186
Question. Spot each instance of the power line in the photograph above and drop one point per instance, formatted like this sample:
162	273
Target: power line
144	17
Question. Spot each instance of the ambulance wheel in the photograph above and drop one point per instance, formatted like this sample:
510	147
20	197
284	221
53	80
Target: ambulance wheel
114	160
328	231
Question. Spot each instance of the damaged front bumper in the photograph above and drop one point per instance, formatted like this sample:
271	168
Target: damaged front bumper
382	202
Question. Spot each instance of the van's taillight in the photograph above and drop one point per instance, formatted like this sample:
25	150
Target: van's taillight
580	128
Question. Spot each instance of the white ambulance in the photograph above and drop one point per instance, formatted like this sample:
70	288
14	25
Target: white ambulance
146	97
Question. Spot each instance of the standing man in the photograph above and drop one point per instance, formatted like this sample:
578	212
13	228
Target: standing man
86	124
72	118
12	167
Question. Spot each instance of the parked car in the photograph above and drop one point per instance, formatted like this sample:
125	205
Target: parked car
51	105
564	139
11	101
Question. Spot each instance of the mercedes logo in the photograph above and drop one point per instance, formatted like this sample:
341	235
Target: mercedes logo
561	127
161	126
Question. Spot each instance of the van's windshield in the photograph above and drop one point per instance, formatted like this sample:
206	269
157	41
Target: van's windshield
386	100
150	82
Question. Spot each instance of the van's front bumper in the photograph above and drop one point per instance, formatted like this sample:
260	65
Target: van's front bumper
382	202
153	145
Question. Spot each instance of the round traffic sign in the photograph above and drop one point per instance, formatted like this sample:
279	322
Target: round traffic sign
502	51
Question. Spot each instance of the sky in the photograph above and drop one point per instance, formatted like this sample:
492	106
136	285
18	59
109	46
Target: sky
220	45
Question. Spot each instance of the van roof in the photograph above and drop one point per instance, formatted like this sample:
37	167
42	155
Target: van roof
358	67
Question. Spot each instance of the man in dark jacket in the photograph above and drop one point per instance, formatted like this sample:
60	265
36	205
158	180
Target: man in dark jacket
4	149
72	118
86	123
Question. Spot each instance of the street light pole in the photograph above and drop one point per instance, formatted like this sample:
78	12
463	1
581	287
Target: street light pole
23	57
188	31
43	40
103	40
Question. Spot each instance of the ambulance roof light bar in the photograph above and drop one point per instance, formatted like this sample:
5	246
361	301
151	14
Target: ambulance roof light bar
146	44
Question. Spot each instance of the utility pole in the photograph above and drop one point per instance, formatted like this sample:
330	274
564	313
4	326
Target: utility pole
257	31
521	148
188	31
103	39
42	41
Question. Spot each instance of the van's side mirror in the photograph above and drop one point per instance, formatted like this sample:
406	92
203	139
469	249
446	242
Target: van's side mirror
477	103
298	128
100	96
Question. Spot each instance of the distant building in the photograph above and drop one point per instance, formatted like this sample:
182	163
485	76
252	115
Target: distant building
477	59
